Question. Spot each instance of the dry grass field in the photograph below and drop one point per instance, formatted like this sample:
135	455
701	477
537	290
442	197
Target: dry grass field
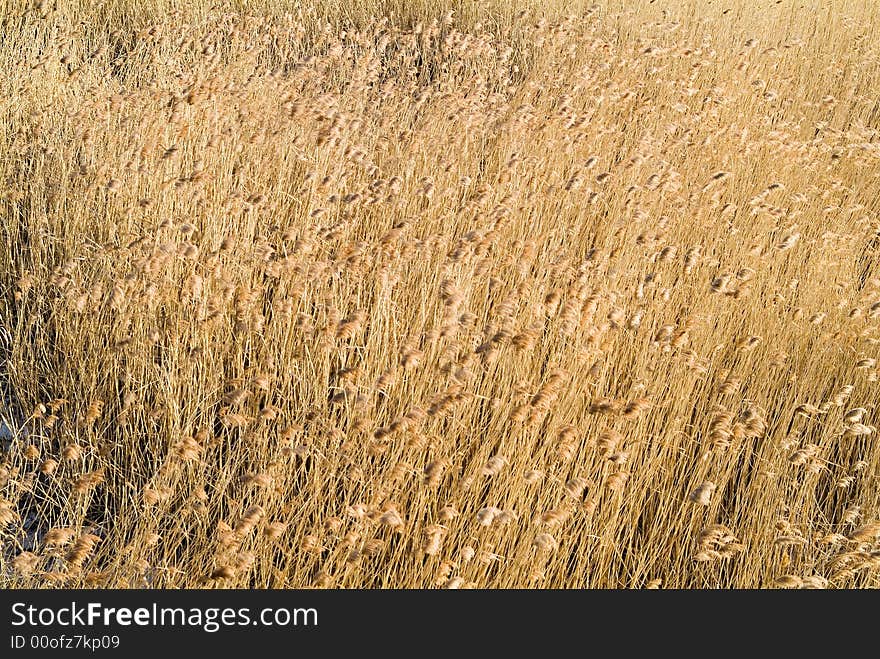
376	293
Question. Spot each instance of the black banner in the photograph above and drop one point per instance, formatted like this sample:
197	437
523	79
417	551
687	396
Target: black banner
122	622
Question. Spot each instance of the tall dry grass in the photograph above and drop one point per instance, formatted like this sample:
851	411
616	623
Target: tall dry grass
372	294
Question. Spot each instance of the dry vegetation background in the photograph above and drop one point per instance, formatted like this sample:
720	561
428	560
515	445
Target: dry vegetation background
295	295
